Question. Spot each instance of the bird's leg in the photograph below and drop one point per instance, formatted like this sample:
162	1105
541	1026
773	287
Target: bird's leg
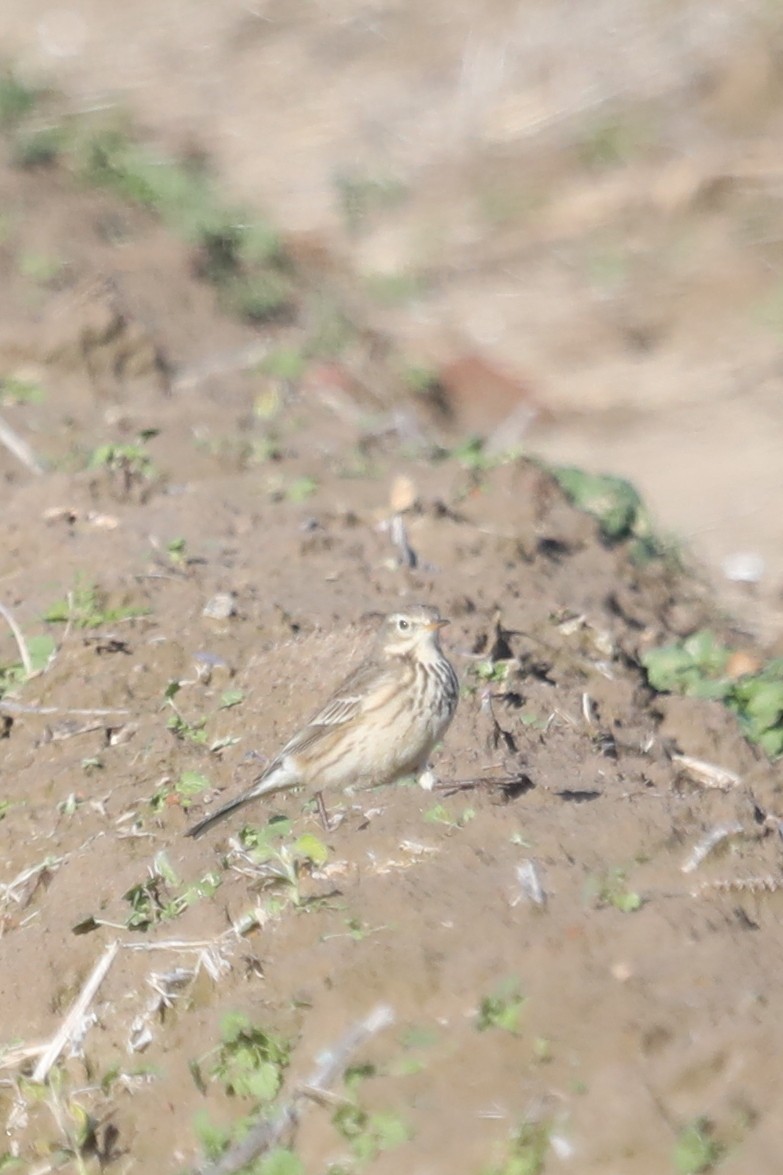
323	815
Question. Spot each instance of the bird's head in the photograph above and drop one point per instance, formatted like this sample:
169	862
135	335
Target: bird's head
413	630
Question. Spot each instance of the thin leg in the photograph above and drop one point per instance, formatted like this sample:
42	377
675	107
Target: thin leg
323	815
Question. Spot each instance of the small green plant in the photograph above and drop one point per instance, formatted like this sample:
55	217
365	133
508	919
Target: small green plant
697	667
20	391
129	466
217	1139
86	607
501	1010
369	1134
285	363
258	297
180	727
439	814
176	549
282	864
612	890
301	488
41	268
156	900
17	99
422	381
39	146
230	698
189	785
494	672
616	505
250	1061
697	1149
527	1151
471	455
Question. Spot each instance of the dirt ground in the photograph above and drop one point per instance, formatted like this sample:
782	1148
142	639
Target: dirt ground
573	987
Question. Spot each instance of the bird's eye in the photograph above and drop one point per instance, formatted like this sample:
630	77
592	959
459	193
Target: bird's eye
403	624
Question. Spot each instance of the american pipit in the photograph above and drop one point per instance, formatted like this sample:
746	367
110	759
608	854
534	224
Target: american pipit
379	725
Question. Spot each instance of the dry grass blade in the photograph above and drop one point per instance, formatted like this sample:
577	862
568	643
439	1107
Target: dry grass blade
529	884
21	643
328	1068
19	708
708	842
18	1054
19	448
707	774
71	1025
23	887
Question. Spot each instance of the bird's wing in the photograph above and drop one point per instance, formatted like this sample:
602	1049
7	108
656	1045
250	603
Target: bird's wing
345	704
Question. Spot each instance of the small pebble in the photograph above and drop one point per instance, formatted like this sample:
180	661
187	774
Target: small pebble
744	567
221	606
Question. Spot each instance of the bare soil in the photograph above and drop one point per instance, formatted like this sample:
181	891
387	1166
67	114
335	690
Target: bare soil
640	997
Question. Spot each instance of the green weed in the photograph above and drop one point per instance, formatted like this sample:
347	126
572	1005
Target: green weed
611	890
156	898
501	1010
697	667
697	1149
250	1061
527	1151
86	606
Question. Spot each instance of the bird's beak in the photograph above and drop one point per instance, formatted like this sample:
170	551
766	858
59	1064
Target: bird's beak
436	624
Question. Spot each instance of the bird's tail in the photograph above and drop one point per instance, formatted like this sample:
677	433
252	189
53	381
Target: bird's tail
270	781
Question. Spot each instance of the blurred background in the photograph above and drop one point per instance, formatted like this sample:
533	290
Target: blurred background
570	214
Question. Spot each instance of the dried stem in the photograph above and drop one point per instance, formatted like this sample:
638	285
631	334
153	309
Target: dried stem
19	447
18	635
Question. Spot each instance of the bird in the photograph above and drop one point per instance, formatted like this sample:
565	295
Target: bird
380	724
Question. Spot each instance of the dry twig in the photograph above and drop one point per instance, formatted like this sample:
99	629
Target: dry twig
707	774
708	842
19	448
21	643
72	1024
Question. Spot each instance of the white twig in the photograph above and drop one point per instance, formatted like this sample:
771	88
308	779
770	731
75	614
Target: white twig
708	842
19	708
19	447
69	1029
529	882
18	635
707	774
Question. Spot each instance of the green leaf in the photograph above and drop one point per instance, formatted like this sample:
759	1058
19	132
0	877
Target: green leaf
311	848
501	1010
279	1162
612	500
301	488
190	783
231	697
696	1150
627	902
390	1130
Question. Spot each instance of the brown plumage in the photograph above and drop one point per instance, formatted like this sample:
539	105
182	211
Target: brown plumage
379	725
